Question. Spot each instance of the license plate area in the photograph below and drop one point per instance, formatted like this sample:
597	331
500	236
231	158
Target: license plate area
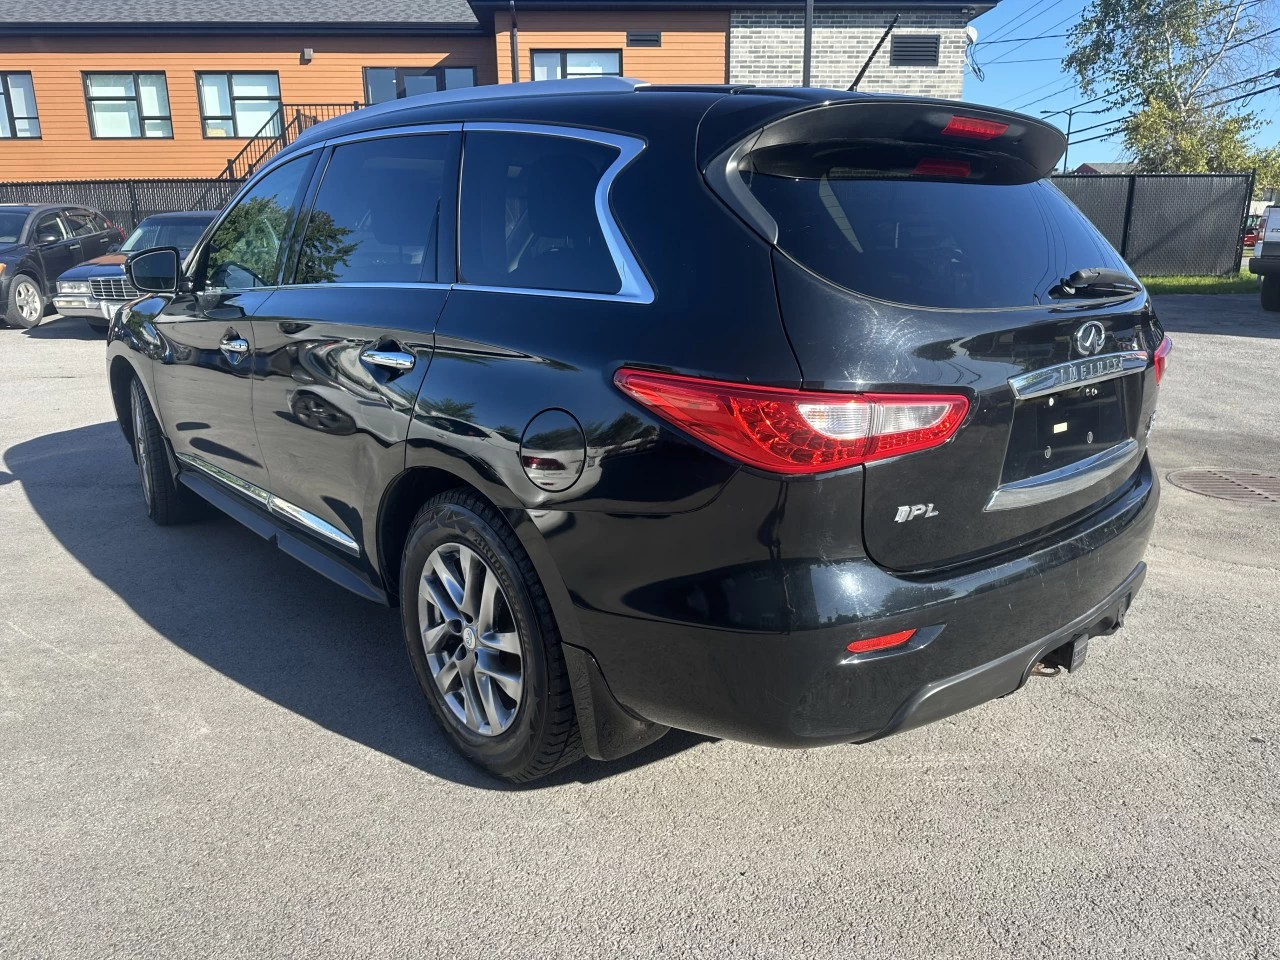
1054	431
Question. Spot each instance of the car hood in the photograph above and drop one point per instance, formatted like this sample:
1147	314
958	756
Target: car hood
9	248
107	265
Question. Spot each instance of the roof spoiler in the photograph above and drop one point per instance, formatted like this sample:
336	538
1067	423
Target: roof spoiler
1024	149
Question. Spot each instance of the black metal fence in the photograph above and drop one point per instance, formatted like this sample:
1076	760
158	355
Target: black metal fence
1167	224
1163	224
126	202
289	121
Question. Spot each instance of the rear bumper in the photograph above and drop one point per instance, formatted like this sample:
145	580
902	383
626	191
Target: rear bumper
80	306
979	633
1264	266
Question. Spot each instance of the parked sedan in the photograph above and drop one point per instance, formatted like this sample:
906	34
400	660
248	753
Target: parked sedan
97	288
37	243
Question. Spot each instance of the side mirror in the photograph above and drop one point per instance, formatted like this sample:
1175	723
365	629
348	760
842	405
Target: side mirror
155	271
44	239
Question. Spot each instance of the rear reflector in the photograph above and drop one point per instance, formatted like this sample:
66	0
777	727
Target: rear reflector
1162	357
973	128
880	643
797	431
937	167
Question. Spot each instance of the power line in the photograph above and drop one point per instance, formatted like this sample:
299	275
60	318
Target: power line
1031	103
1025	42
1006	63
1208	106
1047	36
1021	19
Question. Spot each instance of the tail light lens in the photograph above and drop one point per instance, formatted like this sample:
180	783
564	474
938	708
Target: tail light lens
1162	357
881	643
797	431
974	129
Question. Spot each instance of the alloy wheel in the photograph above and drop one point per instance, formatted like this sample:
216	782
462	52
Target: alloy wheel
470	638
28	301
140	445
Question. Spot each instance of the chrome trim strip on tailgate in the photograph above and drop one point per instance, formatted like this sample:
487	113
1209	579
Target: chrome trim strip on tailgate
1077	373
1072	478
278	506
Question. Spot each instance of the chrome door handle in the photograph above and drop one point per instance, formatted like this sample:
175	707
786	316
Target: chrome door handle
234	348
391	359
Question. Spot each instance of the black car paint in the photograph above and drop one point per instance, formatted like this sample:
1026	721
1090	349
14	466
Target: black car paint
694	592
46	262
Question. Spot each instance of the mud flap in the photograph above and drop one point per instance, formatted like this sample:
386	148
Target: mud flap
609	730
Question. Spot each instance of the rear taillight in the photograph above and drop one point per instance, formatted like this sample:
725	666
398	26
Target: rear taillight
797	431
973	128
1162	357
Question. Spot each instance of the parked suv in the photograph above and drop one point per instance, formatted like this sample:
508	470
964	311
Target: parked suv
1265	262
758	413
97	288
37	243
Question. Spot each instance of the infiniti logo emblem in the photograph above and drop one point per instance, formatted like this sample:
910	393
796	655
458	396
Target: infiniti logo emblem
1089	338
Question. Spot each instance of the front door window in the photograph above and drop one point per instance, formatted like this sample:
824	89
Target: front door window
244	251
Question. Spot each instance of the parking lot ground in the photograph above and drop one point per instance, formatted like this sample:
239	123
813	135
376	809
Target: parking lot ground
208	751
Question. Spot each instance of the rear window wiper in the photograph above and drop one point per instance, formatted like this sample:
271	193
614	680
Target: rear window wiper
1096	282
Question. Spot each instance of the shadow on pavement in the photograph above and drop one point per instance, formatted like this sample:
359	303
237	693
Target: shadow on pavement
233	601
55	327
1224	315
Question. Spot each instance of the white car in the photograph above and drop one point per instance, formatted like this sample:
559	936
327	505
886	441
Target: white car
1267	266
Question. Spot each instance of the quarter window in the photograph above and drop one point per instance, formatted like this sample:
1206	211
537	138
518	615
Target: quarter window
396	83
240	104
18	116
244	251
528	213
376	215
128	105
569	64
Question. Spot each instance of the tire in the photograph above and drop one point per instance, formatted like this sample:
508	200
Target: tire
1271	293
24	307
539	734
167	503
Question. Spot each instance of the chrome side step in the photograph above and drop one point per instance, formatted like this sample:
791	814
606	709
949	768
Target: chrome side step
276	505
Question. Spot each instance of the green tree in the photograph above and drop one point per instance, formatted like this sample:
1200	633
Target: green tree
1166	63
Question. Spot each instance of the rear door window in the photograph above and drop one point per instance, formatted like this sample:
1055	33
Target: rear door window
869	221
81	223
528	216
376	216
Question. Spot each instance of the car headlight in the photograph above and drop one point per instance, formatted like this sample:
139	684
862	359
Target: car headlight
74	286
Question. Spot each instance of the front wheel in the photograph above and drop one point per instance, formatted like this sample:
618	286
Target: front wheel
167	503
26	303
1271	293
483	642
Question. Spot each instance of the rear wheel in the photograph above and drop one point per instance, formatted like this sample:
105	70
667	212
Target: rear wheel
483	642
25	307
1271	293
167	502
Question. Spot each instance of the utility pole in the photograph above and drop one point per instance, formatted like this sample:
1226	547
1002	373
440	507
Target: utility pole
515	46
805	70
1070	112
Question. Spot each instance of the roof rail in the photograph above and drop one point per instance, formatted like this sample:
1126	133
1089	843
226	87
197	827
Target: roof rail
503	91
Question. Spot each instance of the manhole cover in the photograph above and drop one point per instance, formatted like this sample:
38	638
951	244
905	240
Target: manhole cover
1243	485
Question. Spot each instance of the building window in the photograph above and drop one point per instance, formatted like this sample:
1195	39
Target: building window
239	104
128	105
18	107
396	83
913	50
569	64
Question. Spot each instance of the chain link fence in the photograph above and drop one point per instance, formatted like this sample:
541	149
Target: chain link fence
1167	224
126	202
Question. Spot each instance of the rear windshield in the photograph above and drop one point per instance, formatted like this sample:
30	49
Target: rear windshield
881	230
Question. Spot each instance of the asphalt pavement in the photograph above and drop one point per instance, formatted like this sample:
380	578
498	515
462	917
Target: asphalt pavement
206	750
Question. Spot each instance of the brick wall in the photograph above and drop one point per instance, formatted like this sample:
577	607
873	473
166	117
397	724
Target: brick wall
766	46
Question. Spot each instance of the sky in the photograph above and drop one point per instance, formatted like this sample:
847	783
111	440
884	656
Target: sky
1028	77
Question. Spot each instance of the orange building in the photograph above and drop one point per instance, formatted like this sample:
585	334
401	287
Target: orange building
175	88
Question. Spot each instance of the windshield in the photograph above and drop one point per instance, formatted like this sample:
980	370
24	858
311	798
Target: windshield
11	226
886	232
182	234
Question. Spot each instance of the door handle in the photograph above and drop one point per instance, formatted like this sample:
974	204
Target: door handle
390	359
234	348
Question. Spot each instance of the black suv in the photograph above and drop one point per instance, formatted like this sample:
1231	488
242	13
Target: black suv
37	243
788	416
